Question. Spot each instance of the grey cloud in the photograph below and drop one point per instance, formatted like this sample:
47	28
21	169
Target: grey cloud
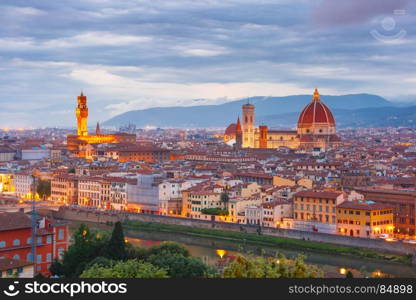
332	12
190	43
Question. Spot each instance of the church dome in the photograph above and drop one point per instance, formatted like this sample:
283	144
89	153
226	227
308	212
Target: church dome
230	132
316	114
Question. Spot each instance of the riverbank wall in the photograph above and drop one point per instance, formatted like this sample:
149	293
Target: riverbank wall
379	245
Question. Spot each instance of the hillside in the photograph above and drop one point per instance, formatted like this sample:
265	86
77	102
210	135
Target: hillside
221	115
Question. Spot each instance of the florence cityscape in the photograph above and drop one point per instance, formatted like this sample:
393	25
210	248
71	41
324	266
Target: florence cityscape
207	139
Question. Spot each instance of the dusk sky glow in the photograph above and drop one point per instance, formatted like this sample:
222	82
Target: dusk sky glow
135	54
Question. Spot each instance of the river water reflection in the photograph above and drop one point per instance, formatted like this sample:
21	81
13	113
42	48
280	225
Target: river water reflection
211	250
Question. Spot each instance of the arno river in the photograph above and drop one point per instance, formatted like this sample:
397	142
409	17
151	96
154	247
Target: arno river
211	251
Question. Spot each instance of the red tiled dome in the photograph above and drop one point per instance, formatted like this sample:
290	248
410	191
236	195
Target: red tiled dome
316	112
231	130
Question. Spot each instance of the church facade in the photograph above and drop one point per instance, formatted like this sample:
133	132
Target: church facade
315	129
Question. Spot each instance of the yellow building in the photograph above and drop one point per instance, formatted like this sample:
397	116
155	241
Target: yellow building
364	219
316	210
200	200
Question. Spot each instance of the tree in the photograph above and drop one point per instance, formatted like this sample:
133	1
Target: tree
224	197
100	261
116	248
216	211
349	275
56	268
139	253
168	248
87	245
280	267
179	266
125	269
43	188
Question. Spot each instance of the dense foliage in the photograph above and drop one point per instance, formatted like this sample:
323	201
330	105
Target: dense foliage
125	269
224	197
215	211
116	248
261	267
43	188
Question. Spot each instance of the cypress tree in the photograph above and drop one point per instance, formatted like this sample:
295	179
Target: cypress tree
117	246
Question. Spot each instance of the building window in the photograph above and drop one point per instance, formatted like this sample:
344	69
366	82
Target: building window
48	257
29	241
49	239
2	244
17	256
29	257
16	242
39	258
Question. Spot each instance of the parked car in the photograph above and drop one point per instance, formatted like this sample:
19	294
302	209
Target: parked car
391	239
383	236
408	241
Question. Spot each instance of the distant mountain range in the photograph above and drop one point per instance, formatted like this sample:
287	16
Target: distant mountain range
355	110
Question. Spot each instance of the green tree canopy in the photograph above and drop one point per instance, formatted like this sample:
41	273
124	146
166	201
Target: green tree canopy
43	188
88	244
125	269
217	211
116	248
179	266
224	197
280	267
168	248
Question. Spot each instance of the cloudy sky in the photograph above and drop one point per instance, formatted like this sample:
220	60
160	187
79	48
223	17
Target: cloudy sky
134	54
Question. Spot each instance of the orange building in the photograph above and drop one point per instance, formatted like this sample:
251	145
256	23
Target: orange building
364	219
75	142
316	210
142	153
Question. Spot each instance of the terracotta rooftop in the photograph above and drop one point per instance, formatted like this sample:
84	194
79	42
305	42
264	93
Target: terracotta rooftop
7	263
318	194
363	205
14	220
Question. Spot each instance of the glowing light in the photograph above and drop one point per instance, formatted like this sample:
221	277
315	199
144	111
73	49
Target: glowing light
342	271
377	273
221	253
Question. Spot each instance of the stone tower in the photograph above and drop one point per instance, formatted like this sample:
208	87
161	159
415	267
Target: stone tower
263	136
81	113
248	125
98	129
